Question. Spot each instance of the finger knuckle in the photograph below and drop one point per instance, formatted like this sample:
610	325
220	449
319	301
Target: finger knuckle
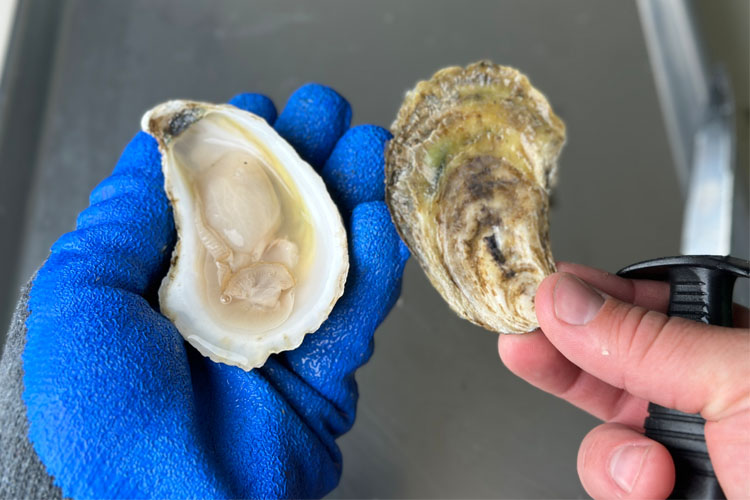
638	334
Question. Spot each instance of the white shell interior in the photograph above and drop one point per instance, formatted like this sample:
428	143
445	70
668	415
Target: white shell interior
262	252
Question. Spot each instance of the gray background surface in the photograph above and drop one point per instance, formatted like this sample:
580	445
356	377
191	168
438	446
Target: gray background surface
439	416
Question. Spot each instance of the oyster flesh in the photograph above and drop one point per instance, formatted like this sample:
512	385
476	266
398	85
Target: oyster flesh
468	176
261	256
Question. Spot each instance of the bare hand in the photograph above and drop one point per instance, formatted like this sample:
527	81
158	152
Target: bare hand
606	346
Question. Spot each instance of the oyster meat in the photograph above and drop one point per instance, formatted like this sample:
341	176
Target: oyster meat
468	176
261	256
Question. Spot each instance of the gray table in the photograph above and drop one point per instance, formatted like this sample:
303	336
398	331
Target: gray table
439	416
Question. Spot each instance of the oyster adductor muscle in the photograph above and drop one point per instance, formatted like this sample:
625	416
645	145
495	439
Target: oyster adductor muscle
468	176
261	255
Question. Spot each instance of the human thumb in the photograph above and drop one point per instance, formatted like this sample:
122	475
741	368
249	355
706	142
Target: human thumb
674	362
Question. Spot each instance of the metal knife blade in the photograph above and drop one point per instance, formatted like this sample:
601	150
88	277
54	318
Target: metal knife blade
707	223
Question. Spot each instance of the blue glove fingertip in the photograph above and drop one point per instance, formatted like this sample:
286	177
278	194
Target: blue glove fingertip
141	158
257	104
313	120
355	171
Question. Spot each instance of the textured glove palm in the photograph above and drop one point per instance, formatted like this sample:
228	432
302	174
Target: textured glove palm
119	406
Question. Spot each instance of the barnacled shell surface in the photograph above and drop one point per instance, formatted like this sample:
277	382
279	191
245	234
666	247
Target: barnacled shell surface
468	176
261	256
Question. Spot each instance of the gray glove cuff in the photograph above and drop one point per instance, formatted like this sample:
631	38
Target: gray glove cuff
22	474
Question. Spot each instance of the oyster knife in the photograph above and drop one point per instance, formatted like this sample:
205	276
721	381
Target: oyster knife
698	111
701	283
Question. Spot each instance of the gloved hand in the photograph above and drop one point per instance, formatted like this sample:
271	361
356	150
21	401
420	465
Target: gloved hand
120	406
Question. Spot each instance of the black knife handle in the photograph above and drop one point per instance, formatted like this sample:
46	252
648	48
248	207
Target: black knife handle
700	289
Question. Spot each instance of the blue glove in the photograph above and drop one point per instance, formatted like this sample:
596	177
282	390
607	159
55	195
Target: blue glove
120	406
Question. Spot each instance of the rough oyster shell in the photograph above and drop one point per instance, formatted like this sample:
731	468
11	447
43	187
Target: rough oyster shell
468	175
261	256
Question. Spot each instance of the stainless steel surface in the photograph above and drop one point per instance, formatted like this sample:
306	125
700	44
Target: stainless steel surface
681	72
439	416
707	224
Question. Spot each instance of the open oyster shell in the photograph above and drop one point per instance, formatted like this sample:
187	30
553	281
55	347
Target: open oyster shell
468	175
261	256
